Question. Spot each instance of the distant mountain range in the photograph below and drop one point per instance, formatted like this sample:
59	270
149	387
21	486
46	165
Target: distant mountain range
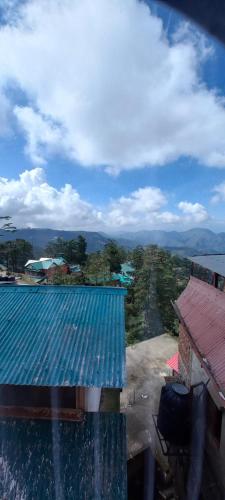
191	242
39	238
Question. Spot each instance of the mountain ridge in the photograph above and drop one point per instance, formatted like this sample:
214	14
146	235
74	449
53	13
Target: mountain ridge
189	242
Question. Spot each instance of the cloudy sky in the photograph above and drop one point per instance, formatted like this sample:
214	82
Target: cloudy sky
112	117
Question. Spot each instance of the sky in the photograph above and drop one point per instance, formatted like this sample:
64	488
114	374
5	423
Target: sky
112	117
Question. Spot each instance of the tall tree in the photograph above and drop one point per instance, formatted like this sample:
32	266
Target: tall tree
81	250
15	254
56	247
74	251
97	269
115	256
160	280
137	257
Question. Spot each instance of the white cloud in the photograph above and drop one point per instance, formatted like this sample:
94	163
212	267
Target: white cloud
102	76
33	202
187	33
219	195
4	115
140	207
143	209
195	212
41	134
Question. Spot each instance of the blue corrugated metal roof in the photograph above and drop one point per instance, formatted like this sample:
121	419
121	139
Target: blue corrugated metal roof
59	261
62	336
36	266
125	280
46	264
64	460
127	268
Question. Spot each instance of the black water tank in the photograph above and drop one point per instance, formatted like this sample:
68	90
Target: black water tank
174	414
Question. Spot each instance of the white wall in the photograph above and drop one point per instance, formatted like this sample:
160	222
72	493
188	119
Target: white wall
198	374
92	398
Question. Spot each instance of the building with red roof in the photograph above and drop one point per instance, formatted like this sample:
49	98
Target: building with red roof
201	362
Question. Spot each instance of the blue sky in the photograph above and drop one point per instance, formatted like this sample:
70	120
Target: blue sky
112	117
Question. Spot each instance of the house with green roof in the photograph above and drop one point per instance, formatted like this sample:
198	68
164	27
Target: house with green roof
46	267
127	269
125	277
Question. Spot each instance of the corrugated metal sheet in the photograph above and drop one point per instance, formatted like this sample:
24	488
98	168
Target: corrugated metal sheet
36	266
127	268
64	460
203	309
40	264
125	280
214	263
62	336
59	261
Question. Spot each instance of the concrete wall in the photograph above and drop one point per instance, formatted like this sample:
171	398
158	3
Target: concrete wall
197	372
193	372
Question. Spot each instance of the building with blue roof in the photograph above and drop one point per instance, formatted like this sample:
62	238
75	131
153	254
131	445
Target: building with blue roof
66	337
62	347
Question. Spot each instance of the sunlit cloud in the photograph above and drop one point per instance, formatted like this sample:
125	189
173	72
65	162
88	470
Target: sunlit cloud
106	88
33	202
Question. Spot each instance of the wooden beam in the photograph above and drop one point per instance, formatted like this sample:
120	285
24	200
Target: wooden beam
215	280
74	415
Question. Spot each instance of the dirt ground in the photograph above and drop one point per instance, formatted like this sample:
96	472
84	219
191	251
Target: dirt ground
146	369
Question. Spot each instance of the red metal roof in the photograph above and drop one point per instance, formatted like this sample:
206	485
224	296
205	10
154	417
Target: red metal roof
173	362
202	308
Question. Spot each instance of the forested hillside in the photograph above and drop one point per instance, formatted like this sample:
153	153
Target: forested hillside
159	279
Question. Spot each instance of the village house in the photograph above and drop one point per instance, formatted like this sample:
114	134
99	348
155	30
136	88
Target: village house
46	267
201	367
210	268
62	366
66	341
125	277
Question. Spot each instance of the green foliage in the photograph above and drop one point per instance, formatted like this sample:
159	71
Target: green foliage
114	255
137	257
97	269
15	254
56	248
73	251
60	278
159	280
81	250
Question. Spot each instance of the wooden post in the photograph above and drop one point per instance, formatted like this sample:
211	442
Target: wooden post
215	280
